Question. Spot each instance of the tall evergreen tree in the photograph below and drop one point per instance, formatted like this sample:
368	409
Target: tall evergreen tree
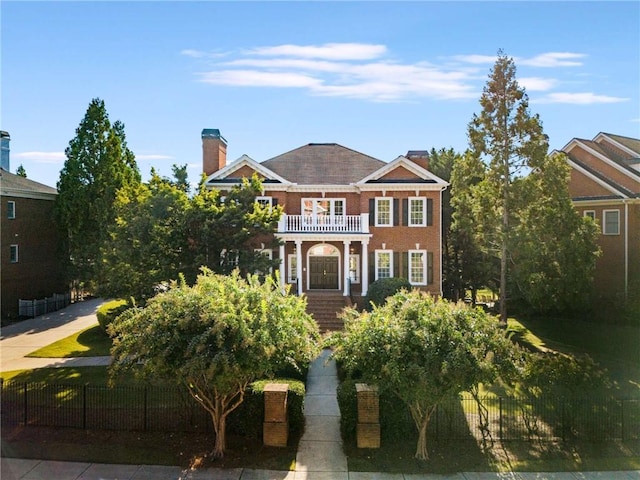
511	140
98	164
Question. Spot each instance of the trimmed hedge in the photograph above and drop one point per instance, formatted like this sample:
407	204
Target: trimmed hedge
108	312
248	418
383	288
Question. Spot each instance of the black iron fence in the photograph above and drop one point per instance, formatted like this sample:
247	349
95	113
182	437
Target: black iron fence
167	408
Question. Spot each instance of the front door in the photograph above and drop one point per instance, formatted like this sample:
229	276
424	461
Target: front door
323	273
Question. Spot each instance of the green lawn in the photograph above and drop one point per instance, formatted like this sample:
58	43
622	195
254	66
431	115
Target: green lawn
90	342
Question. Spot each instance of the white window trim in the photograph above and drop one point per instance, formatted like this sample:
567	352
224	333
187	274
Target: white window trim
423	200
291	261
315	200
11	211
604	222
264	199
385	199
378	253
356	258
13	248
589	213
424	267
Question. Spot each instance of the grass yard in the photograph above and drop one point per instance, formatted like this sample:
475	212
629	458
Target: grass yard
90	342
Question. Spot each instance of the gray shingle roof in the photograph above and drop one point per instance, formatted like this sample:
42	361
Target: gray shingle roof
323	164
11	184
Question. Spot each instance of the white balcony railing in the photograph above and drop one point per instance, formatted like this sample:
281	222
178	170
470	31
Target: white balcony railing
324	224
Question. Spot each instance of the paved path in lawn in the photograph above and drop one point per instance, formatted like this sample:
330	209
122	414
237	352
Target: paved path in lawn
22	338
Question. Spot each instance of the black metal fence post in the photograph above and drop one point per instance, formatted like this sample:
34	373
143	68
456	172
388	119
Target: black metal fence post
24	395
84	406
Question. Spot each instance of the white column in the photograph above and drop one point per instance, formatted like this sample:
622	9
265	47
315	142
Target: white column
283	272
345	268
364	273
299	265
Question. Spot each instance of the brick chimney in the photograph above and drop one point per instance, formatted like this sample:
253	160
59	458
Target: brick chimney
419	157
214	151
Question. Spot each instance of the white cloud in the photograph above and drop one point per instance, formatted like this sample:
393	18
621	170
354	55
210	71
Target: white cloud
329	51
257	78
476	59
584	98
553	59
537	83
41	157
188	52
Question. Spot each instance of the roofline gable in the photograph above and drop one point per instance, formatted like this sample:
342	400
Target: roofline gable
246	160
409	165
591	176
576	142
619	145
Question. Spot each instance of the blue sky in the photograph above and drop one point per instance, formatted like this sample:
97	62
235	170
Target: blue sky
381	78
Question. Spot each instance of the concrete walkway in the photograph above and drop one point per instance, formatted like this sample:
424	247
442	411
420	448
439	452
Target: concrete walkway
320	455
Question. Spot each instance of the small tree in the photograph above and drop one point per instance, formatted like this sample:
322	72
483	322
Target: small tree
215	338
21	172
423	350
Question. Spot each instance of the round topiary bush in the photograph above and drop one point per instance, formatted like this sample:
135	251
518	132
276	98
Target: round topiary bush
108	312
383	288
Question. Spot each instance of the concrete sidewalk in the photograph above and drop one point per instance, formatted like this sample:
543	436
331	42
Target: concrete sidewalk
24	337
320	455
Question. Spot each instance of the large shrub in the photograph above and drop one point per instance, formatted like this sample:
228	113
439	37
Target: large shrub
109	311
380	290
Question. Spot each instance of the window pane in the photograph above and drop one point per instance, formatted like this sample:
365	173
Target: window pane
416	209
338	208
383	212
11	210
417	265
384	264
612	222
13	254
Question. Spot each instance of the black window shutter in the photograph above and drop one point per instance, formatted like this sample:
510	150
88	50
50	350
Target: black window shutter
429	268
372	212
396	264
405	265
429	211
372	267
396	212
274	202
405	211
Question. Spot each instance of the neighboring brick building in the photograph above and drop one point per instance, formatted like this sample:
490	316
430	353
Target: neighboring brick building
605	185
29	241
349	218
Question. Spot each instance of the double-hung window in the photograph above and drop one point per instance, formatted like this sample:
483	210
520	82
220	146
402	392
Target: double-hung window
265	201
417	211
13	253
590	213
292	274
418	267
323	211
384	212
11	209
611	222
384	264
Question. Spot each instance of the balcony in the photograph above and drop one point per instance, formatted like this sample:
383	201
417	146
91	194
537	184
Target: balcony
324	224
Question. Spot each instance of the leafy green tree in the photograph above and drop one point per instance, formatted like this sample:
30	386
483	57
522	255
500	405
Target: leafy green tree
216	337
148	244
424	351
470	267
21	172
555	247
230	230
512	141
98	164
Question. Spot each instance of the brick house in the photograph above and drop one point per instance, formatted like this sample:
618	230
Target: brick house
29	239
349	219
605	185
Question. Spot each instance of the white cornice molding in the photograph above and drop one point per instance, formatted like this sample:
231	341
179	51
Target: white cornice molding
18	193
245	160
406	163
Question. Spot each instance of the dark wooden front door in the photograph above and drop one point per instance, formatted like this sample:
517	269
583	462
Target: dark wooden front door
323	273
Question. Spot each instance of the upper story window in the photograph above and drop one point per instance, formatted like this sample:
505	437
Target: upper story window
13	253
590	213
417	211
611	222
11	209
323	210
384	212
265	201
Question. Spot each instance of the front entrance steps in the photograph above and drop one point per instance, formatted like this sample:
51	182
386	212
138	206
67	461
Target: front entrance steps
325	306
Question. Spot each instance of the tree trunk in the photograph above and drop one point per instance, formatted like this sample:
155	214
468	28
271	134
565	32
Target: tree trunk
220	428
421	448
